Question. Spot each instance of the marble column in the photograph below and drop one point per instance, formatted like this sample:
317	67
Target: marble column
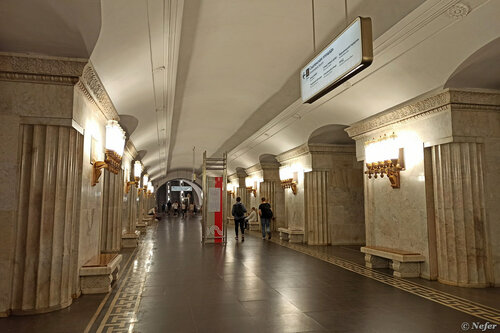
316	207
244	195
460	214
47	221
130	235
268	190
111	228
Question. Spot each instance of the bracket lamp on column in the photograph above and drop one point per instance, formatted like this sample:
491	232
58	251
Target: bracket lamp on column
115	144
150	189
231	190
144	188
289	179
251	186
137	176
383	156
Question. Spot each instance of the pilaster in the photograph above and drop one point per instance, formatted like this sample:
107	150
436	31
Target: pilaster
460	214
316	206
111	228
48	207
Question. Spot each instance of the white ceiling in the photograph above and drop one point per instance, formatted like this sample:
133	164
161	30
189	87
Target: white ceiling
222	75
50	27
236	62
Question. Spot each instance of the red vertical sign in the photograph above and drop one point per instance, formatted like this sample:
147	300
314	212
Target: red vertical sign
218	215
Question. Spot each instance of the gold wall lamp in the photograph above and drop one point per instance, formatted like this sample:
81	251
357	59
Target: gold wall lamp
383	156
231	190
137	176
115	144
289	179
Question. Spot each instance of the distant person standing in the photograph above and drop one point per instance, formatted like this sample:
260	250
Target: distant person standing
238	212
175	206
266	214
169	207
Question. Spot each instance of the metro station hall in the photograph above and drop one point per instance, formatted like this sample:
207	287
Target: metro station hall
178	166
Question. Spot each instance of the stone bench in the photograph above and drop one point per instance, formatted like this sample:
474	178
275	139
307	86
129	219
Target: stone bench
291	235
99	272
404	263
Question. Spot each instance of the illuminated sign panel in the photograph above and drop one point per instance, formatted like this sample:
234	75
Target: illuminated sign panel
348	54
182	188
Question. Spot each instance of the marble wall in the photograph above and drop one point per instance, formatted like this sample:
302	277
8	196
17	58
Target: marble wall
89	116
446	197
345	199
36	93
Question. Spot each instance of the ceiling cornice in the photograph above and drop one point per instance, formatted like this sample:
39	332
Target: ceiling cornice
40	69
92	87
427	104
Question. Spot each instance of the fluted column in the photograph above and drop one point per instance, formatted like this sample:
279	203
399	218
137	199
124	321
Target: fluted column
49	194
244	195
460	214
111	228
316	207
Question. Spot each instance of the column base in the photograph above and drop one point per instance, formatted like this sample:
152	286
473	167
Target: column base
21	312
130	240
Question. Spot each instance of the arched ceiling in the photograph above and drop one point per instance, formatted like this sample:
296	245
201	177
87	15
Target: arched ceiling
50	27
221	75
234	66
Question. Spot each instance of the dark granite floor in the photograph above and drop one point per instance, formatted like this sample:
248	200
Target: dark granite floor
251	286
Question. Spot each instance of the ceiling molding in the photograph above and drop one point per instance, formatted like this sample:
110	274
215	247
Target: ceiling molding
426	105
412	30
40	69
130	148
92	87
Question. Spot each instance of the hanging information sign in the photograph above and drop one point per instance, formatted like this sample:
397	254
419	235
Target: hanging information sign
348	54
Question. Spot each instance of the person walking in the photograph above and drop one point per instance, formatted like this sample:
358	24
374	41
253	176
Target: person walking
183	209
238	212
251	218
266	214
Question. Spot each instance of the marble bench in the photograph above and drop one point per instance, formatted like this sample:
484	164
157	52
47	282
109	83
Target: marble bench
291	235
98	273
403	263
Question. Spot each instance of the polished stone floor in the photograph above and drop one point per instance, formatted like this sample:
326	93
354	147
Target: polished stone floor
174	284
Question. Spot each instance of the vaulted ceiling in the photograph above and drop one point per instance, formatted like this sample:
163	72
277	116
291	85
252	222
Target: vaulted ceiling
222	75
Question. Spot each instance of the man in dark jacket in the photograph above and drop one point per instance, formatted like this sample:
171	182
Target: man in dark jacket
238	212
266	214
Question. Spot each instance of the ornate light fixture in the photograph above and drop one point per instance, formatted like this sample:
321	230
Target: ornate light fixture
115	144
137	176
251	186
383	156
145	179
230	190
289	179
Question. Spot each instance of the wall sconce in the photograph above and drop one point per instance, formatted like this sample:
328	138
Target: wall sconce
115	144
289	179
137	176
230	190
251	186
150	189
384	156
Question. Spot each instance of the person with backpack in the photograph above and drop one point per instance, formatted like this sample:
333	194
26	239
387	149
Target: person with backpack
238	212
266	214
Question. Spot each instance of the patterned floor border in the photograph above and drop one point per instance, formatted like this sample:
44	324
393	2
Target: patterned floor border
121	314
434	295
